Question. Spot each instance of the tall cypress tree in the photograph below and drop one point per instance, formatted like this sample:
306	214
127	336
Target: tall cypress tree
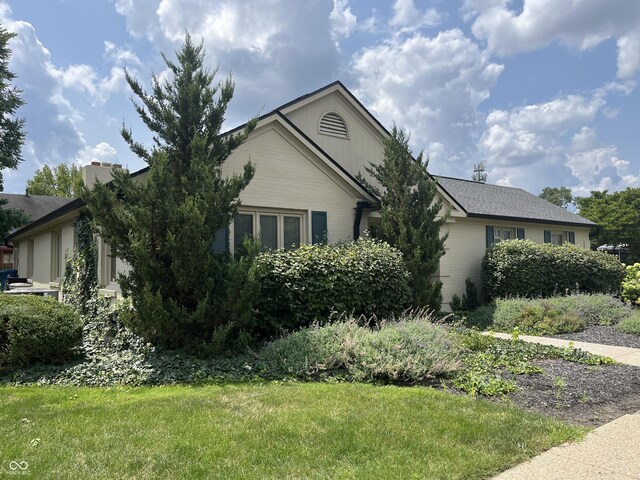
11	132
409	207
164	225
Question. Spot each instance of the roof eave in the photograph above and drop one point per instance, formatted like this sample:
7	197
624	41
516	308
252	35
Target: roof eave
531	220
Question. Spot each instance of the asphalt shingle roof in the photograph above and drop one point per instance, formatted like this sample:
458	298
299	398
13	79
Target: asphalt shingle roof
36	206
485	200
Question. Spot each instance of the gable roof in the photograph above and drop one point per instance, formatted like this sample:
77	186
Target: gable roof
497	202
36	206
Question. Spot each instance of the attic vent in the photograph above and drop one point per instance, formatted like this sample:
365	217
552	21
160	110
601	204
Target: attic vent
333	124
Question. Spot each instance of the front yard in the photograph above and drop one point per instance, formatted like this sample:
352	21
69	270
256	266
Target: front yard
265	430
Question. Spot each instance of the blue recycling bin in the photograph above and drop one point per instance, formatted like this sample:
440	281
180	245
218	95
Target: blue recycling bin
4	274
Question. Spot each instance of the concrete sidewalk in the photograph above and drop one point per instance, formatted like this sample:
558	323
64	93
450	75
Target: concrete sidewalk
610	452
628	356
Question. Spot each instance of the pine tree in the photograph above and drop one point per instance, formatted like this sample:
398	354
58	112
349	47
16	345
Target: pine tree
164	226
11	133
409	207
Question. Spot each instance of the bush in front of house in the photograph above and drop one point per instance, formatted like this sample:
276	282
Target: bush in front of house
631	324
36	329
412	349
526	269
549	316
300	286
631	284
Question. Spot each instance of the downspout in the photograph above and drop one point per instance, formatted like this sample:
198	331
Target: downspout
360	206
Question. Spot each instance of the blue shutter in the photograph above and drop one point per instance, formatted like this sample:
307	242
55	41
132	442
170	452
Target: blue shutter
572	237
547	236
318	227
221	241
520	233
489	235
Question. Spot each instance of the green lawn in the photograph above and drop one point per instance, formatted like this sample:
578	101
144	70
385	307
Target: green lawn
271	430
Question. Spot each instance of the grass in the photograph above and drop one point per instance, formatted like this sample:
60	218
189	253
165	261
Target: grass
265	430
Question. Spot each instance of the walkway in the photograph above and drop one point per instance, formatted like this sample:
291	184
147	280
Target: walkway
610	452
626	355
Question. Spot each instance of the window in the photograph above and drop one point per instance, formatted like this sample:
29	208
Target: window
502	234
276	230
56	255
557	237
333	124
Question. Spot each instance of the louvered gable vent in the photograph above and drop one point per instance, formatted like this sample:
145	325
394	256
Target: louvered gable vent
333	124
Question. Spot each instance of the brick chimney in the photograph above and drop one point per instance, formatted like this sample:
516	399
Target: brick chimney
98	171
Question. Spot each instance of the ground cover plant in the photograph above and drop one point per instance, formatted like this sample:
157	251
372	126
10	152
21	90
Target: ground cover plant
266	430
631	324
550	316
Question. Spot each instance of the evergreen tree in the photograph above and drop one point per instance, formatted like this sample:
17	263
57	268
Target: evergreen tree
409	207
11	133
164	225
60	181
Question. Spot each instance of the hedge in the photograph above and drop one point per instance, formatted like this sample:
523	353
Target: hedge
307	284
527	269
631	284
36	329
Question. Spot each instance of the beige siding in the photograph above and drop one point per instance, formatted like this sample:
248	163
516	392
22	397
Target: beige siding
466	246
289	177
364	144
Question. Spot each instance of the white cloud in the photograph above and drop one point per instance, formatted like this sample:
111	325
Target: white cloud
407	17
102	152
579	24
343	21
553	144
432	87
120	56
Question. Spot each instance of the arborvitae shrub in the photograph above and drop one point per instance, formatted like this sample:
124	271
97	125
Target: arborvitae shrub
527	269
36	329
307	284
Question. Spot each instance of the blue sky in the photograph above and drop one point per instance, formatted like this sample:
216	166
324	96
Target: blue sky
544	92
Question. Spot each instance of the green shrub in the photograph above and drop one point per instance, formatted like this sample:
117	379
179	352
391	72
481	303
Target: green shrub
480	318
307	284
631	284
527	269
410	350
594	309
631	324
36	329
537	317
469	300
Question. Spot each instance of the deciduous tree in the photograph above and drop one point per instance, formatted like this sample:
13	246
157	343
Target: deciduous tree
60	181
618	217
560	196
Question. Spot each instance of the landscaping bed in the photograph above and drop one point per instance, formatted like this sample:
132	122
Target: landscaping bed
589	395
604	334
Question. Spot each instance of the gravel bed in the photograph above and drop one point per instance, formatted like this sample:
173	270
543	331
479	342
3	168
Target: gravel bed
577	393
604	335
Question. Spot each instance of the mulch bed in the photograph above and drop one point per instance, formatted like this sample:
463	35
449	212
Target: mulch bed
604	335
582	394
577	393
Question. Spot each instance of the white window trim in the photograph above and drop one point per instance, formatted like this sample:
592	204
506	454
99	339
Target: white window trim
563	235
499	230
280	214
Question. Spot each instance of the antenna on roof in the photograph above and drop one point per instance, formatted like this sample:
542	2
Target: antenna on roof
479	173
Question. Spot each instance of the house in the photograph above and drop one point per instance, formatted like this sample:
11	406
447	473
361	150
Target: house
35	207
307	155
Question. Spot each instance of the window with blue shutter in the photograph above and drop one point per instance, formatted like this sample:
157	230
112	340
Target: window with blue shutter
520	233
490	235
318	227
547	236
572	237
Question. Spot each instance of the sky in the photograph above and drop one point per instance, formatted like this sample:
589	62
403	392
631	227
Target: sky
543	92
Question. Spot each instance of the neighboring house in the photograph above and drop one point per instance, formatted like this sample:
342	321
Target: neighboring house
307	154
35	207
